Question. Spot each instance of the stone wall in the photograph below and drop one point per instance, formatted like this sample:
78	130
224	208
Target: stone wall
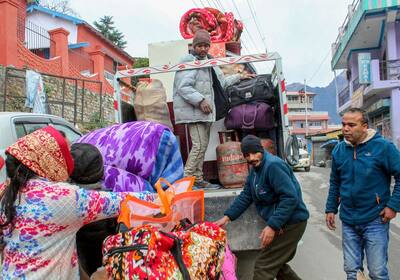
67	98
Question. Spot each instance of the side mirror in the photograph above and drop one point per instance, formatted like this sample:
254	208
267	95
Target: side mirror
292	150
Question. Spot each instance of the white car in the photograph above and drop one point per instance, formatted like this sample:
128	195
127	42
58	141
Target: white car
14	125
304	161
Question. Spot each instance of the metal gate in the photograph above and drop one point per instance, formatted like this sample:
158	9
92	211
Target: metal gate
68	97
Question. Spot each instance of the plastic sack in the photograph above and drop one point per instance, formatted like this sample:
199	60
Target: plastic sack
151	102
229	266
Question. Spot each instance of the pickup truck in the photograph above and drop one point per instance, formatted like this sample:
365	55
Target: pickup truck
14	125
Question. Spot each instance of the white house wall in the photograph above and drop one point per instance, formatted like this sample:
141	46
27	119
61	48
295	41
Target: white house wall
48	22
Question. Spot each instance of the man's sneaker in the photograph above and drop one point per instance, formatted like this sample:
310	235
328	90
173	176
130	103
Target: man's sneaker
206	185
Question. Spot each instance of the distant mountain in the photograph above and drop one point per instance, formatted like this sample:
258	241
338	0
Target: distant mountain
325	100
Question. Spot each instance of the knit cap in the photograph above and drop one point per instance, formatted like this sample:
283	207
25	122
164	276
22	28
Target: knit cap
251	144
201	37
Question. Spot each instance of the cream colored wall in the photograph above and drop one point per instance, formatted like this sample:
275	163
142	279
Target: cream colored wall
168	52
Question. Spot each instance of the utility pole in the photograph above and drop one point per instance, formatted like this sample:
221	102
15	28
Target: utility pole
305	98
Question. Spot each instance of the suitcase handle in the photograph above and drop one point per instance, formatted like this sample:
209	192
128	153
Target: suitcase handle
249	125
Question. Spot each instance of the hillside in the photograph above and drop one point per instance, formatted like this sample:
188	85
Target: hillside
325	100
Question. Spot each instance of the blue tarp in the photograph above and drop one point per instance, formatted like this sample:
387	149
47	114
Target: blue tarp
330	143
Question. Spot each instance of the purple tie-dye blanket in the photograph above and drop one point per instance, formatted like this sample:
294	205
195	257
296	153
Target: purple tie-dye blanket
129	152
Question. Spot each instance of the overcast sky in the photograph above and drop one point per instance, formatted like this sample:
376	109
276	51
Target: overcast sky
302	31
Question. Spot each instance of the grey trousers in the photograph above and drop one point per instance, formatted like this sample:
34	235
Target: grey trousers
272	261
200	135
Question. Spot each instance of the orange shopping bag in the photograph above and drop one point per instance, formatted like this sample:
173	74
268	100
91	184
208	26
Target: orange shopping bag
180	186
175	203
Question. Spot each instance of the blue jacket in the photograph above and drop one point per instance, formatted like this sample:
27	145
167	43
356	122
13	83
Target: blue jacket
276	194
360	179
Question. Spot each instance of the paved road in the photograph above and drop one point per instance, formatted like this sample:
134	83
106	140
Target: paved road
319	255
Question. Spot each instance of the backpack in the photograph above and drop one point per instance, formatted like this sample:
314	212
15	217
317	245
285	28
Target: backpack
259	89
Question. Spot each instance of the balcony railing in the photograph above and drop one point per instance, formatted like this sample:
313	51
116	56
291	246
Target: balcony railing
343	28
344	96
356	83
389	69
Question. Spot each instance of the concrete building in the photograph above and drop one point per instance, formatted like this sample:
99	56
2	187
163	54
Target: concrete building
368	47
302	124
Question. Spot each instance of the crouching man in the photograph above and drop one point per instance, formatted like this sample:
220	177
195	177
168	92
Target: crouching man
272	186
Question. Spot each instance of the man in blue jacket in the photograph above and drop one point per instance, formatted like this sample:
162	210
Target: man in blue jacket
272	186
362	167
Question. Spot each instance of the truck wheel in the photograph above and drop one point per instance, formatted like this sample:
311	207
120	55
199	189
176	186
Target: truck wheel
307	169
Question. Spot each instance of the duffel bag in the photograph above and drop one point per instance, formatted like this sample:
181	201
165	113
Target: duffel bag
192	252
250	116
259	88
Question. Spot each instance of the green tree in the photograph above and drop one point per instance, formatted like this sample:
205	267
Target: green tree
140	62
61	6
105	26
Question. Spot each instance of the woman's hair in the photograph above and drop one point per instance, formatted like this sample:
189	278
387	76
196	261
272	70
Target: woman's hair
19	175
88	164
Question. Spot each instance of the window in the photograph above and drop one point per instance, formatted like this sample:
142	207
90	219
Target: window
296	110
23	129
315	124
71	135
20	130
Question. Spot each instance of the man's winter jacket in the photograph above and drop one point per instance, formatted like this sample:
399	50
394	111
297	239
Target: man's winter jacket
276	194
360	179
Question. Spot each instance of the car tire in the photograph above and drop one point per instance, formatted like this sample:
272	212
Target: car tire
307	169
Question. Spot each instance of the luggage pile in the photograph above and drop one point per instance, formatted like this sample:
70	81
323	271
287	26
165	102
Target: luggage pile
157	240
251	102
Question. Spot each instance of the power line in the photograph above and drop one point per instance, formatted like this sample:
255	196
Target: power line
220	5
202	3
319	67
241	43
195	4
245	29
209	4
253	14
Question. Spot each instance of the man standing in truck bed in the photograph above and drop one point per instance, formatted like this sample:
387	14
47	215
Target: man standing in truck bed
194	98
276	193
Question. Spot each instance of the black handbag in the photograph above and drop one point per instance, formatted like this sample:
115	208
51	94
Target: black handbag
251	90
221	99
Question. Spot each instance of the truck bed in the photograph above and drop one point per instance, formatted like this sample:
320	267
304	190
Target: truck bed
243	233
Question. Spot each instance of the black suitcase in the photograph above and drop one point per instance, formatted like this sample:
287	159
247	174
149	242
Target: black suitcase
259	89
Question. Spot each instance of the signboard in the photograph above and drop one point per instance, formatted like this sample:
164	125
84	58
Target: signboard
364	68
357	99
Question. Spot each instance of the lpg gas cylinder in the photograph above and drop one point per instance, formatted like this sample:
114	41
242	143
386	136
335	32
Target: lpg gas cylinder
232	167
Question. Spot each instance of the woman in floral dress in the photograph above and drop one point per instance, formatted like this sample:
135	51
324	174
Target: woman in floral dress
40	213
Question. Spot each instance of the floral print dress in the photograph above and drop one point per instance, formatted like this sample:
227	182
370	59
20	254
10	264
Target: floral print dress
42	243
